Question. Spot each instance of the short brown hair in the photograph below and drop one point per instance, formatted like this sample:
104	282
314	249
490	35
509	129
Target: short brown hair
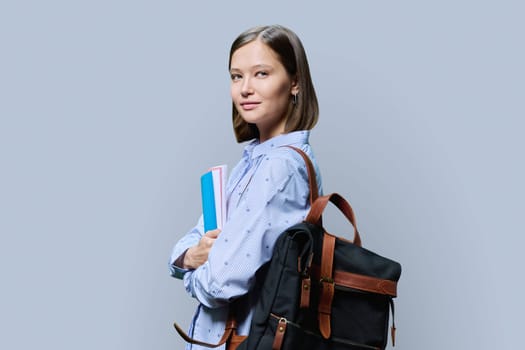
288	47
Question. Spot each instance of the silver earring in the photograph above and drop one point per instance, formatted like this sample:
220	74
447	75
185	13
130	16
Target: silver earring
294	101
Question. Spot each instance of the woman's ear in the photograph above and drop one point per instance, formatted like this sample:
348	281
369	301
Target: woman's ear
295	86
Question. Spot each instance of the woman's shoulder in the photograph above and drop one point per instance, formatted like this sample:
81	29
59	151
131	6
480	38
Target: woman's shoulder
285	161
287	154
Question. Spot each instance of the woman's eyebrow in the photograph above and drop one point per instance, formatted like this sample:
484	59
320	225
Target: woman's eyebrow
264	66
254	67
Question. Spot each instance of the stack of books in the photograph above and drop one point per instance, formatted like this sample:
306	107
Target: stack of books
213	191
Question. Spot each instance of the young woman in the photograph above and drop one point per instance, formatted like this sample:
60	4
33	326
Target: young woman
274	105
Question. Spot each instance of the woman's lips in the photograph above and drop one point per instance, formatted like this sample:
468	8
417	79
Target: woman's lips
248	106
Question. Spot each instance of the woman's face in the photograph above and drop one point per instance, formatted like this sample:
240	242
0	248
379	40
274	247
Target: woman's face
261	89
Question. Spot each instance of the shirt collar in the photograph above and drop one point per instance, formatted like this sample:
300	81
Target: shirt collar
255	149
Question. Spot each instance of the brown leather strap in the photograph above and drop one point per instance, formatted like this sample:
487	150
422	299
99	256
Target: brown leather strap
235	341
327	285
393	334
360	282
229	332
312	180
314	194
279	334
327	257
316	212
393	328
306	284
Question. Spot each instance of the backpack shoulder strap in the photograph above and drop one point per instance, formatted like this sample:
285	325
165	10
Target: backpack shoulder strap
312	182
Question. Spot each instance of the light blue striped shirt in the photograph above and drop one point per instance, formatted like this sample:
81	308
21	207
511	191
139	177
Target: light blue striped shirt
267	192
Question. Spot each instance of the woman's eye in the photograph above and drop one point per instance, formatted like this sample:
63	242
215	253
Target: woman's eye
235	77
261	74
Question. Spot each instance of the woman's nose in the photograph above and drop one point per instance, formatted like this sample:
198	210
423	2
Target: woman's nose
246	88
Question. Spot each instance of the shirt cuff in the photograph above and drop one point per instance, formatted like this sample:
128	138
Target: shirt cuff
176	268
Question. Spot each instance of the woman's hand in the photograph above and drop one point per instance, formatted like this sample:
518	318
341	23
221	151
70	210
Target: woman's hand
198	255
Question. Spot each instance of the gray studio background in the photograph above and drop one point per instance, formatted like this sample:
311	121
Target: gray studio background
111	110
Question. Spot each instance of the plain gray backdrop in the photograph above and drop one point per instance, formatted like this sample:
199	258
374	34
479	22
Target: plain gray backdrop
111	110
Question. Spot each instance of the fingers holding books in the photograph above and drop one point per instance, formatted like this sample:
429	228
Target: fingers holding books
198	255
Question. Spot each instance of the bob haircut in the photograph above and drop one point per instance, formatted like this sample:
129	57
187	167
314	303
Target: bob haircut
304	113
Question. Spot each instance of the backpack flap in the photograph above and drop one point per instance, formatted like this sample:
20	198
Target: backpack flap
353	286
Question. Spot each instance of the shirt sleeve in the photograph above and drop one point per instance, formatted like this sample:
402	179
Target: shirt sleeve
276	197
188	240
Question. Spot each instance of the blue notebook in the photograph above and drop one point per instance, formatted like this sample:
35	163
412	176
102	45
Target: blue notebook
208	202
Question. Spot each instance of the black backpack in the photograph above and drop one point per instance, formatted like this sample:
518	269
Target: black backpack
322	291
